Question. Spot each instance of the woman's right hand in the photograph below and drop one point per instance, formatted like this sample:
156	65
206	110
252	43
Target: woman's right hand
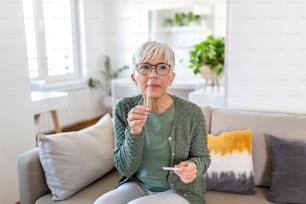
137	117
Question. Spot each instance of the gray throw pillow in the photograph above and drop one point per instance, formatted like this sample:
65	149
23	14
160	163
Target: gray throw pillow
288	171
73	160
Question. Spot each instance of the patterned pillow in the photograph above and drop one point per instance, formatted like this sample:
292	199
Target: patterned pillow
231	168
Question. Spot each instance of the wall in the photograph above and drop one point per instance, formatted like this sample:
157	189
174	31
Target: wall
16	120
266	61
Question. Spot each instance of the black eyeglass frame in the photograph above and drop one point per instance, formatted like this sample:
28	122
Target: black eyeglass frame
151	68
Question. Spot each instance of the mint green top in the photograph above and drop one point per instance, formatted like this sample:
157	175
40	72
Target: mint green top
187	140
156	151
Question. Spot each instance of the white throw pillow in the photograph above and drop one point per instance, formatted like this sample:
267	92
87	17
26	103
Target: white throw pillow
73	160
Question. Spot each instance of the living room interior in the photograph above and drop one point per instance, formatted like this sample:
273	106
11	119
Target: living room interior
264	65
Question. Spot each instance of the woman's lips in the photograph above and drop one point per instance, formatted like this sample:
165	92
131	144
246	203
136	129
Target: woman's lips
153	85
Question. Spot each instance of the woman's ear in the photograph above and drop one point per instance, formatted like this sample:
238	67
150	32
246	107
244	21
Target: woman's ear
172	78
133	77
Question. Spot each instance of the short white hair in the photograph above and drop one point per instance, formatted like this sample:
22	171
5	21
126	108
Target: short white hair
152	50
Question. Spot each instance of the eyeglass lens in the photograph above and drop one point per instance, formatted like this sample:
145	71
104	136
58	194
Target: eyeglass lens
146	68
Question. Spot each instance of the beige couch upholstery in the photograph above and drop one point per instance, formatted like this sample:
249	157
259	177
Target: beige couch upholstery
33	187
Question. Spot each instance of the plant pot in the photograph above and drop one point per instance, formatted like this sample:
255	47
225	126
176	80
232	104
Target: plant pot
208	74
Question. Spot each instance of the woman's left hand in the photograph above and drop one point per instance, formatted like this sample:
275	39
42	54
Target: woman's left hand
187	171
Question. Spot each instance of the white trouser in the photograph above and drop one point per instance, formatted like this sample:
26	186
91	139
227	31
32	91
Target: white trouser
132	193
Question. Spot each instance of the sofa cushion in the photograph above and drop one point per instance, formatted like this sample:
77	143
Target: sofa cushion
89	194
72	160
207	113
231	168
288	171
260	197
261	124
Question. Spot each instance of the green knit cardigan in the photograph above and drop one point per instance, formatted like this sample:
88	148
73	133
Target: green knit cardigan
188	141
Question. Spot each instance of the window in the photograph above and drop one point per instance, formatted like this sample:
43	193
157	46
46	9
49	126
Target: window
53	43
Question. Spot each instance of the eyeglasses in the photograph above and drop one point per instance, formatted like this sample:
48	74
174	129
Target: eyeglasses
161	69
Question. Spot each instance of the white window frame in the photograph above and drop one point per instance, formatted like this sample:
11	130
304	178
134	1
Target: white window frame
66	81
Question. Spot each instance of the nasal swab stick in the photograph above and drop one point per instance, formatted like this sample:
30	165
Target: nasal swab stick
148	98
170	168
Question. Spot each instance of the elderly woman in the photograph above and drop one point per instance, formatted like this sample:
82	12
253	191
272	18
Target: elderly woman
160	139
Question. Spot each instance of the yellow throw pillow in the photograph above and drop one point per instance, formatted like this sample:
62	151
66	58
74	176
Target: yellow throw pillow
229	142
231	168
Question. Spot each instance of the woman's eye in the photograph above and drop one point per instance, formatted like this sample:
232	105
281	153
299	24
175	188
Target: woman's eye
162	67
145	67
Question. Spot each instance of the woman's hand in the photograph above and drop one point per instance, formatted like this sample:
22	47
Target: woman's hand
137	117
187	171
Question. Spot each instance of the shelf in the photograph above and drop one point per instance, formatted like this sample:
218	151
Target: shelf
183	29
181	37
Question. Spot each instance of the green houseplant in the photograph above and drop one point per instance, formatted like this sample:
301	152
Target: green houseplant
183	19
107	74
209	52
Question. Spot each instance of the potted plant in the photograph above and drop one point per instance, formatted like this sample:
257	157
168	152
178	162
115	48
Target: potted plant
207	58
107	74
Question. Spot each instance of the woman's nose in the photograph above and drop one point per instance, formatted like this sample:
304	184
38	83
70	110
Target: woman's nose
153	72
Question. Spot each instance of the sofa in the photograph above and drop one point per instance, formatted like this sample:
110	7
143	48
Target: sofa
266	160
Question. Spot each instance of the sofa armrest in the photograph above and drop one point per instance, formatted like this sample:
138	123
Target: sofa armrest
31	177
